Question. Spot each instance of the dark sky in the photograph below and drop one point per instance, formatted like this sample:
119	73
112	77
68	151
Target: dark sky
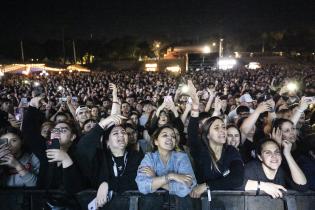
173	19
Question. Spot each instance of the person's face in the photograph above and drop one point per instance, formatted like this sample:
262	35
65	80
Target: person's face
5	106
61	118
288	132
83	115
14	143
106	104
166	140
132	136
118	138
270	155
88	126
217	132
139	108
224	104
233	137
147	108
94	112
125	107
130	100
134	119
202	107
89	103
46	131
163	118
66	136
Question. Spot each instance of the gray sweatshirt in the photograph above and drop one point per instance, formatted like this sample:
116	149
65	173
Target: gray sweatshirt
31	164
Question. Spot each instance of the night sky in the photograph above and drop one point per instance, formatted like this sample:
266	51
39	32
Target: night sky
148	19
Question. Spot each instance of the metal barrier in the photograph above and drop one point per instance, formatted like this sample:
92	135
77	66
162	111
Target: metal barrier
29	199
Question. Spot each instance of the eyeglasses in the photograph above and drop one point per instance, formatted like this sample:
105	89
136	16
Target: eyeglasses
60	130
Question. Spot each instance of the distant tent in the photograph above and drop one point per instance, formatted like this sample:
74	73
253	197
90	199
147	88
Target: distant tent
29	68
76	67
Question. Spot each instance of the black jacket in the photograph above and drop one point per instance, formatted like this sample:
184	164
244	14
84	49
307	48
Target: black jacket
96	163
231	174
50	176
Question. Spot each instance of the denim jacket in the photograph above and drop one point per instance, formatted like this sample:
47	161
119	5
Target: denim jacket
178	163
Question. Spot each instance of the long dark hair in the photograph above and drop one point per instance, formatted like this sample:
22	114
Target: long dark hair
204	137
262	144
277	123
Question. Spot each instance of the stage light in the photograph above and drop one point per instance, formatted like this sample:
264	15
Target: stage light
206	49
226	63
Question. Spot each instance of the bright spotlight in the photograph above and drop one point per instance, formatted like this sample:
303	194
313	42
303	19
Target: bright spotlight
36	84
174	69
185	88
292	87
253	65
206	49
226	63
60	88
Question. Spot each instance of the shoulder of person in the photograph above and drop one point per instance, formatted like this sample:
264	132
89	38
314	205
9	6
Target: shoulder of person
230	149
232	153
180	154
254	164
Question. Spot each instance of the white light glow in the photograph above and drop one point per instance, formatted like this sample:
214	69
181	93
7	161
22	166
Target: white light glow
60	88
174	69
36	84
226	63
253	65
292	87
206	49
185	88
151	66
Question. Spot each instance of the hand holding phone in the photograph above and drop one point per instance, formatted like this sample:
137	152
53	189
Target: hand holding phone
54	141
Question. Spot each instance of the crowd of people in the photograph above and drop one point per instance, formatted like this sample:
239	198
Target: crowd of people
188	134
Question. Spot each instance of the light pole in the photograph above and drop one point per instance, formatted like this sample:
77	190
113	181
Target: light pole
221	49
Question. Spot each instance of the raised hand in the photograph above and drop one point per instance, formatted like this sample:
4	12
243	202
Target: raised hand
263	107
112	120
113	87
9	160
56	155
277	135
287	146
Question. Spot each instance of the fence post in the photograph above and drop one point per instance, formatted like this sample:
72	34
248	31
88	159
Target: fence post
133	203
205	204
290	202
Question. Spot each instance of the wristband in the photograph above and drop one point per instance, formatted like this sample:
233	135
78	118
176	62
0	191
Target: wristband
116	102
195	110
258	188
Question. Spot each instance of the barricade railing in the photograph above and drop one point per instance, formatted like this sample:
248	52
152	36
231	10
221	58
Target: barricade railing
31	199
